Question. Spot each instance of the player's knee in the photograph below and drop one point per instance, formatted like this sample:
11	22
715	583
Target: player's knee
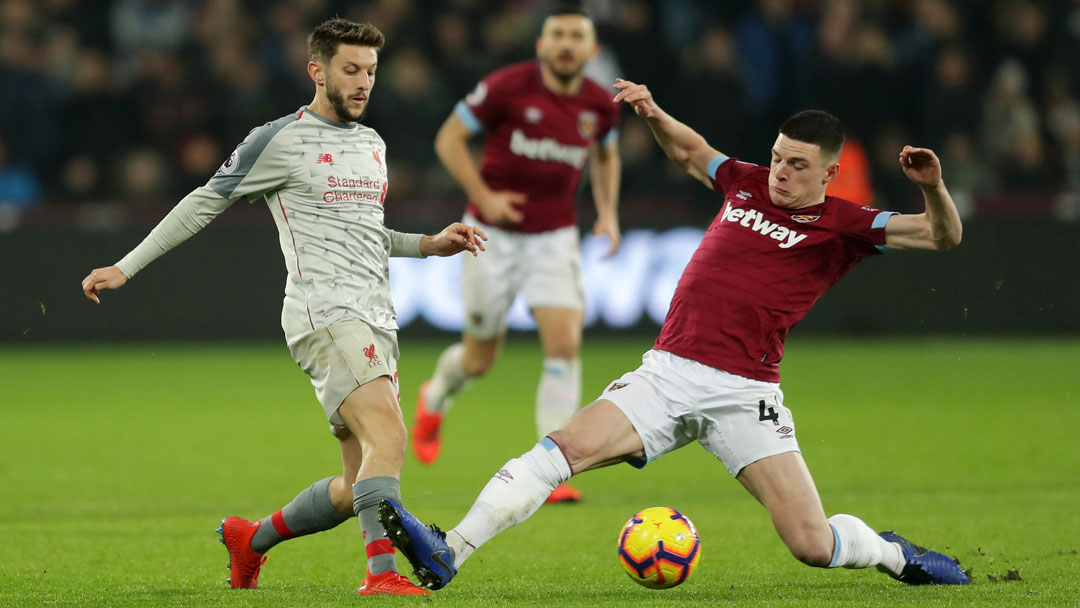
478	365
564	345
810	549
341	496
564	350
573	448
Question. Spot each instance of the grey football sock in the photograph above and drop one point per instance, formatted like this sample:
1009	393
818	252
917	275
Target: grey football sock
367	494
310	512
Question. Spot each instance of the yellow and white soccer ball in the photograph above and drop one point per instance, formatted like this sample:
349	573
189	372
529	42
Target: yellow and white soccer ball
659	547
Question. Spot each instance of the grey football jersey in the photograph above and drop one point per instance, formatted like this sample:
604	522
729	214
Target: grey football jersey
325	185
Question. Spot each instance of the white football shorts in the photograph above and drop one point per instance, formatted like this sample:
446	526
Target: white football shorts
672	401
342	357
544	266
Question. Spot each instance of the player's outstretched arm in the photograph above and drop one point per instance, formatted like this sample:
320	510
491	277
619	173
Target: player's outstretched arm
452	148
190	215
109	277
682	144
453	239
938	228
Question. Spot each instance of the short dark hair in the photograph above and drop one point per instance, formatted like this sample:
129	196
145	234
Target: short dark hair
324	40
816	127
568	8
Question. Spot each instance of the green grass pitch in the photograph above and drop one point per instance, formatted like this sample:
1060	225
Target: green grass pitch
116	464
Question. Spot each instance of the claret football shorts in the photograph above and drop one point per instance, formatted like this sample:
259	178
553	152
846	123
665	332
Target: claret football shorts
342	357
672	401
544	266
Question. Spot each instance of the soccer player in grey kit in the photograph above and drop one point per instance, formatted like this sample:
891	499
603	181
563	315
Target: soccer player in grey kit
323	176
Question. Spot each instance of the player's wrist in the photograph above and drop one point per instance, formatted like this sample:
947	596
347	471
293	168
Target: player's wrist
427	245
935	188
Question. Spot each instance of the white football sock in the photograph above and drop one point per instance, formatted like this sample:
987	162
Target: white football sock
858	546
511	497
448	380
558	395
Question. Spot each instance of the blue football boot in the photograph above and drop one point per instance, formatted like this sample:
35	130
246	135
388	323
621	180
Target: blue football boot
923	566
424	546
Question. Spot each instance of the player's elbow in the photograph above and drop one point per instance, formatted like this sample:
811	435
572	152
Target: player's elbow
442	143
949	239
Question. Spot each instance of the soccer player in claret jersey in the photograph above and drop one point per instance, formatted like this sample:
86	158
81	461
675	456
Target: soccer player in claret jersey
541	121
323	176
777	243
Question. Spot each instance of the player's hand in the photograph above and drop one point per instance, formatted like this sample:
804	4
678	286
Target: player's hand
109	277
921	166
501	207
608	225
638	96
455	238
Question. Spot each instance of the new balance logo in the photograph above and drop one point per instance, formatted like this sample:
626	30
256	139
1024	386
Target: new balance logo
755	220
324	158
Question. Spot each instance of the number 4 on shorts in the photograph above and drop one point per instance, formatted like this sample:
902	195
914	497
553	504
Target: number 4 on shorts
772	415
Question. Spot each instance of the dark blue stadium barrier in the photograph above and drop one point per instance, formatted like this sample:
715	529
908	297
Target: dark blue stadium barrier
1010	275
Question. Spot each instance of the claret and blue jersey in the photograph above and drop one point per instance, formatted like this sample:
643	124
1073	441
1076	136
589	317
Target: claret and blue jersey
535	141
759	269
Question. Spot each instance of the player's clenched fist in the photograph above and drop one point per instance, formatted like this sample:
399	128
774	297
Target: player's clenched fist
637	95
921	166
455	238
109	277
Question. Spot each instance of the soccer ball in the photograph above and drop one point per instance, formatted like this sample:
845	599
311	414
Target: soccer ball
659	547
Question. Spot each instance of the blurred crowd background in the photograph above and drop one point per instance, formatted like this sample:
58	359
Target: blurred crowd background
136	102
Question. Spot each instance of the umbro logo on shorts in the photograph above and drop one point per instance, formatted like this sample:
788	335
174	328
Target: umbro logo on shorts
785	432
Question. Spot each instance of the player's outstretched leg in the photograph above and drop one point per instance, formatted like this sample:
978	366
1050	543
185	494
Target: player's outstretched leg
244	563
923	566
424	546
311	511
856	545
512	495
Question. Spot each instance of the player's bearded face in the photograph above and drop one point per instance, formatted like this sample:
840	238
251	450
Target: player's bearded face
566	44
349	81
798	173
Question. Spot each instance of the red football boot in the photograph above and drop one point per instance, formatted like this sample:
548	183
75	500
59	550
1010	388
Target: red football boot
564	492
244	564
425	438
389	583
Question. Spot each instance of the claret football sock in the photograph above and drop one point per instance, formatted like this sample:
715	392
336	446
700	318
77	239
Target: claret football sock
448	380
367	494
310	512
558	394
510	497
858	546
